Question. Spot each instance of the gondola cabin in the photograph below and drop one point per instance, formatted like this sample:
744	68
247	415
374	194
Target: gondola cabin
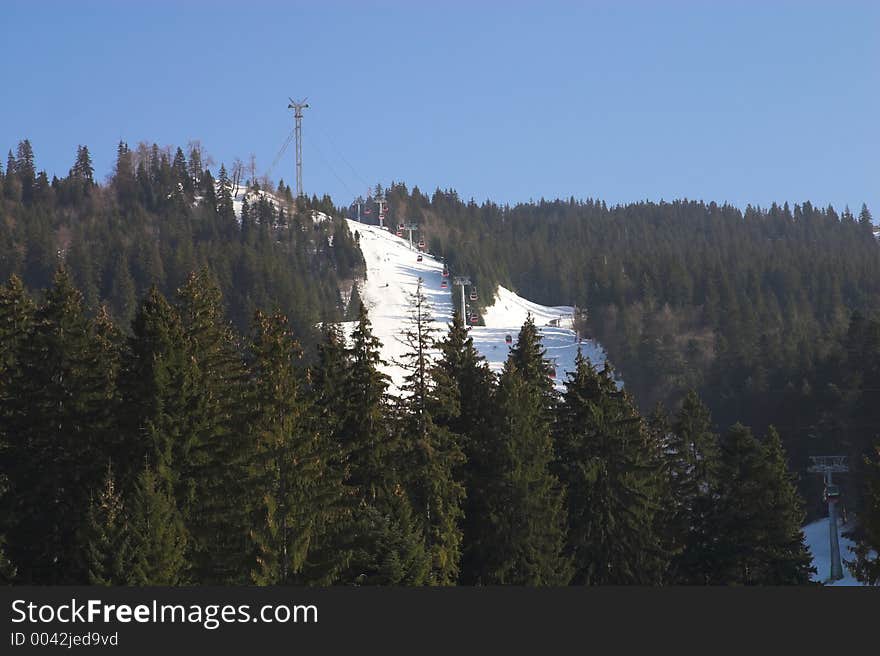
419	258
445	272
508	339
421	244
473	295
399	233
443	284
474	319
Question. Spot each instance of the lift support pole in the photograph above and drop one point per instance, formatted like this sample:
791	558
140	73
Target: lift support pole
462	281
827	465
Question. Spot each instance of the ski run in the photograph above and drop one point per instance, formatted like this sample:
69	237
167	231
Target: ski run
392	276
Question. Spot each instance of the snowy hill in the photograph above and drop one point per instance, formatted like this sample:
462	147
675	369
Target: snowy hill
392	274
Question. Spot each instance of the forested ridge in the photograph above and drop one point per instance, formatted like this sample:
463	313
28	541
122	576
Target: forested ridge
770	314
163	215
178	405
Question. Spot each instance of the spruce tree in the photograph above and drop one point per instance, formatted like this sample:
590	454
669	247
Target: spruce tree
756	518
220	452
388	540
786	558
525	535
866	565
430	453
60	427
108	553
605	459
369	442
461	403
157	533
300	497
693	476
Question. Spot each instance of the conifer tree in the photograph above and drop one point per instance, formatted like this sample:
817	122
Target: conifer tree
786	558
693	476
389	543
368	440
462	404
430	453
525	534
328	401
158	535
157	389
605	460
217	462
225	206
756	518
301	498
866	565
60	423
107	540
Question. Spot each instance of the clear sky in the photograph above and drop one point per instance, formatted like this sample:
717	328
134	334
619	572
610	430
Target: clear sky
739	101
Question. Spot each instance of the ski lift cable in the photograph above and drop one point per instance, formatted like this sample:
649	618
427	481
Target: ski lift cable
340	153
330	167
281	152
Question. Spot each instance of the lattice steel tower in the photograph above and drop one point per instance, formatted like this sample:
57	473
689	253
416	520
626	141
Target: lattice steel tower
297	108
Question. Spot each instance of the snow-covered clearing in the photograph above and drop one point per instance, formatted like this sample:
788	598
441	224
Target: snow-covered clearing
392	275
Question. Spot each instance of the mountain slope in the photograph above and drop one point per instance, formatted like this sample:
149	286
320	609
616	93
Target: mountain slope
392	275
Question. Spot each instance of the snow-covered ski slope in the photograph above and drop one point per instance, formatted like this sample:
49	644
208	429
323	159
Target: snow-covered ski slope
392	275
819	542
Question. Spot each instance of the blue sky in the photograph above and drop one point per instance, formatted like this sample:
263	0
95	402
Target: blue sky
738	101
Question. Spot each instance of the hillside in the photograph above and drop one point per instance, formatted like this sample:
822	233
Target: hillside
392	273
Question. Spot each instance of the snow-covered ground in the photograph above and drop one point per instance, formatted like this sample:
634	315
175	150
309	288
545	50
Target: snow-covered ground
392	275
819	542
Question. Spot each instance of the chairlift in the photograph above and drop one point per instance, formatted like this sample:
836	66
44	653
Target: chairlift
831	493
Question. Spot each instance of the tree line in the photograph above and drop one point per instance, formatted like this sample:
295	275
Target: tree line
179	451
